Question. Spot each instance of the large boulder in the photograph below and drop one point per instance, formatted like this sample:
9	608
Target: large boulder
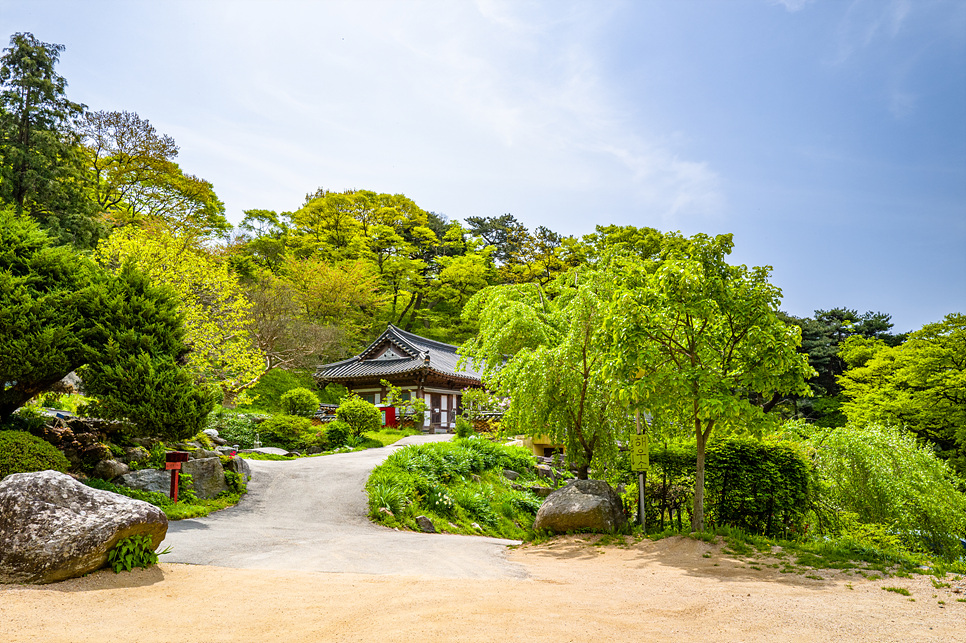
147	480
207	476
583	505
53	528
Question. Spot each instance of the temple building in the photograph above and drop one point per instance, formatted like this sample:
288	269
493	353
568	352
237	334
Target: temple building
420	367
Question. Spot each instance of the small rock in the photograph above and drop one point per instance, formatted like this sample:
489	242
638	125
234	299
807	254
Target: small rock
386	512
147	480
110	469
545	471
135	454
476	526
219	441
241	467
452	526
211	433
510	474
425	525
475	478
517	487
541	492
207	476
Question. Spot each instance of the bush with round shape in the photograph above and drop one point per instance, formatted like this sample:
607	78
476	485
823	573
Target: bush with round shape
21	452
285	431
336	434
300	401
359	415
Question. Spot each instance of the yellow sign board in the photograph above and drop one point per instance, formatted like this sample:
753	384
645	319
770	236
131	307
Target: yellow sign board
639	453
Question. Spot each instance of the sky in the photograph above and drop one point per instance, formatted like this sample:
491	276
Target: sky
829	136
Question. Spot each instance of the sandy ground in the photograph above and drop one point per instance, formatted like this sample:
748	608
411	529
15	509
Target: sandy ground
575	591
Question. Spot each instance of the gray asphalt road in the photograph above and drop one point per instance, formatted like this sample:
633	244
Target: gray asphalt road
310	515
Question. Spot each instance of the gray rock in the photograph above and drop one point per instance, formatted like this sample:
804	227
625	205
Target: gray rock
54	528
110	469
583	505
147	480
207	476
510	474
425	525
541	492
201	454
225	450
211	433
218	441
241	467
135	454
546	471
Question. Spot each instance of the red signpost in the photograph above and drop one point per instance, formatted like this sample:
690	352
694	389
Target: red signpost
172	463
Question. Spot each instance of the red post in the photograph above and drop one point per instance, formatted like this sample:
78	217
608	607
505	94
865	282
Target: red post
173	460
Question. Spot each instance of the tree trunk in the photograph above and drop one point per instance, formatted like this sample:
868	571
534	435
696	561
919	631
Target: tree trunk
697	521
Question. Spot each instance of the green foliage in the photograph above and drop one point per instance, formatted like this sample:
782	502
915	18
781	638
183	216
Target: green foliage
879	475
698	340
236	428
22	453
286	431
920	384
133	551
458	482
359	415
337	434
40	166
60	313
266	395
463	427
188	505
299	401
760	487
555	378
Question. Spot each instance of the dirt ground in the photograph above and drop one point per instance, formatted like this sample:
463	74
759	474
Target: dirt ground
651	591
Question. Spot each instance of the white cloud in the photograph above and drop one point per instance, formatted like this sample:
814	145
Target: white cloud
792	5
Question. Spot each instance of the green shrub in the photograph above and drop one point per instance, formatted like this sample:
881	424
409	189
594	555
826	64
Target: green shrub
300	401
336	434
267	394
285	431
236	428
761	487
883	477
359	415
21	452
464	428
133	551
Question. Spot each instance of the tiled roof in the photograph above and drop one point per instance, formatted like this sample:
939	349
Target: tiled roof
414	353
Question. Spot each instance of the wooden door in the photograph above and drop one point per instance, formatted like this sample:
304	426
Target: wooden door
435	406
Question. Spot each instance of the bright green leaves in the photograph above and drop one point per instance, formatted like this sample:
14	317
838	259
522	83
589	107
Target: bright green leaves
920	384
213	304
545	351
133	551
696	339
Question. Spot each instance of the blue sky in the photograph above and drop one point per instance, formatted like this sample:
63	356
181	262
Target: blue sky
828	136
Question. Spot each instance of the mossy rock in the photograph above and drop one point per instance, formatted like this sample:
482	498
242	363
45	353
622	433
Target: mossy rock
21	452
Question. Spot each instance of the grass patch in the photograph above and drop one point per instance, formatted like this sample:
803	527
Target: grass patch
898	590
188	506
459	486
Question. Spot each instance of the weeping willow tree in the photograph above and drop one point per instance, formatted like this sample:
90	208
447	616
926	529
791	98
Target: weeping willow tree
544	350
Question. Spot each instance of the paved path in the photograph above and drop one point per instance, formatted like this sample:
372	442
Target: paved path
309	514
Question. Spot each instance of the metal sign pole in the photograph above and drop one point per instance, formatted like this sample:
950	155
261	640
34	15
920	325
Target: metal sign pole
640	481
